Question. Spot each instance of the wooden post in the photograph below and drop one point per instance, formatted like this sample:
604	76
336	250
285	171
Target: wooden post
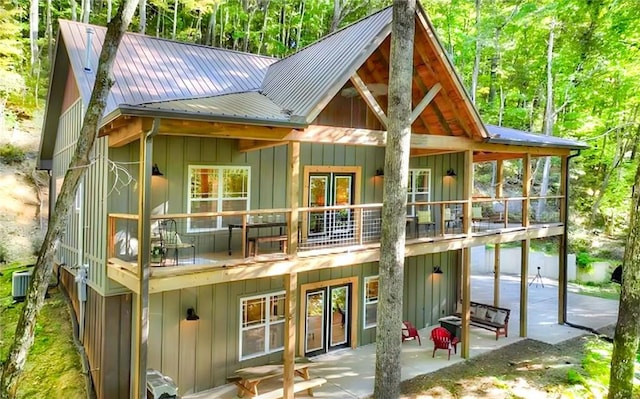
562	259
466	253
524	253
466	298
293	150
496	254
141	325
291	286
524	286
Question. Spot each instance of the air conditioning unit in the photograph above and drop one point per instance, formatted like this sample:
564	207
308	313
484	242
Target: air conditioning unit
20	284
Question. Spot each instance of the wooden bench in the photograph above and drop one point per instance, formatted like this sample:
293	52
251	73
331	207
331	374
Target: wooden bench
498	323
248	379
255	241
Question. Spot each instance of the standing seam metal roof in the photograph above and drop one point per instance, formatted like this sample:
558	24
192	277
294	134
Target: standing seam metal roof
299	82
149	69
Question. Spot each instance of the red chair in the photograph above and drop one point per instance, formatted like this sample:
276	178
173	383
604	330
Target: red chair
441	338
409	332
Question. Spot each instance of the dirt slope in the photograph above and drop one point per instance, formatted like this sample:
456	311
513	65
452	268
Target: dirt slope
22	218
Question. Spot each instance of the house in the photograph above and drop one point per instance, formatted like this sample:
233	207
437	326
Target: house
234	200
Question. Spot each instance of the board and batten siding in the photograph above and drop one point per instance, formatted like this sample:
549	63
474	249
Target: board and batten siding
84	241
200	354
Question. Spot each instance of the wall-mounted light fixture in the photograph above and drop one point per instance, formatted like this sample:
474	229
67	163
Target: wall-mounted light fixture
437	270
380	172
155	170
451	172
191	315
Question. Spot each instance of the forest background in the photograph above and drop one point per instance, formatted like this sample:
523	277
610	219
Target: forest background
568	68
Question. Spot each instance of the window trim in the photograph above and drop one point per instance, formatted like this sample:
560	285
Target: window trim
366	302
221	200
411	190
267	325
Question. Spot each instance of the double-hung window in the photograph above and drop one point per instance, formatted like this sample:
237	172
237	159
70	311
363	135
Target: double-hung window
261	325
216	189
370	301
418	189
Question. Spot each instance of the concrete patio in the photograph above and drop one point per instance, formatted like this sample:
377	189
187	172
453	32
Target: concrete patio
350	373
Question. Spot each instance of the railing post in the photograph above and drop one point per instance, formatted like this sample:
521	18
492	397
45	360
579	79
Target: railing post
293	193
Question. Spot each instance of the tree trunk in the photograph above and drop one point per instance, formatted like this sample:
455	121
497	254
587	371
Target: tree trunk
142	13
109	10
74	10
396	163
338	8
495	61
211	30
175	20
86	10
476	60
298	38
33	34
625	341
49	33
549	119
264	25
42	271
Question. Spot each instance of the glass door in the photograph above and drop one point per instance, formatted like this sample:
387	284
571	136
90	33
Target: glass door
330	189
327	319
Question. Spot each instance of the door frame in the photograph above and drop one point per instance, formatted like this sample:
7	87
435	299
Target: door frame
310	169
353	316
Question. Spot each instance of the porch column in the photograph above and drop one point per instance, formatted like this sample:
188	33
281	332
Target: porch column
293	192
291	286
562	243
496	255
141	323
466	253
524	253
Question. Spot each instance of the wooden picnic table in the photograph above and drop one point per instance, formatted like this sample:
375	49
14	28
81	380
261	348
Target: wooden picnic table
247	379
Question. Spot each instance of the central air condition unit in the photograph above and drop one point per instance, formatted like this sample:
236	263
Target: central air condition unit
20	284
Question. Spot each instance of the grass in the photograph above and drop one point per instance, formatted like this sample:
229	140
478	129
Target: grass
53	367
607	290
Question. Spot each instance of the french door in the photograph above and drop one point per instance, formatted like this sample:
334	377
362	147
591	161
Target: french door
330	189
327	316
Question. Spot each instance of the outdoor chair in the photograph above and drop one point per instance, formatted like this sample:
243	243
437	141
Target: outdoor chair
409	332
441	338
171	239
423	218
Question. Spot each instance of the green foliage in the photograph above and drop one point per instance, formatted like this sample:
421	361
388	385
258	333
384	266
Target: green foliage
11	154
574	377
583	260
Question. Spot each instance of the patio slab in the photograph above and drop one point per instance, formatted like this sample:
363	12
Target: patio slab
350	372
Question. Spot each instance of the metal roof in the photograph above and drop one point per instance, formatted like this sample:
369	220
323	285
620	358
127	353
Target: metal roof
236	107
302	81
505	135
149	68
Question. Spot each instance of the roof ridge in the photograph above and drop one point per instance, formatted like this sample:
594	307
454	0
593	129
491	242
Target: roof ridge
199	97
137	34
326	37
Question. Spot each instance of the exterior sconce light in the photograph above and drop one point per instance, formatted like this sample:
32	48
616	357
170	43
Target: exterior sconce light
380	172
191	315
155	171
437	270
451	172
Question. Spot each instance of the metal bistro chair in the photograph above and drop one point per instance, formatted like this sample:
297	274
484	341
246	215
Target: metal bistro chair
171	239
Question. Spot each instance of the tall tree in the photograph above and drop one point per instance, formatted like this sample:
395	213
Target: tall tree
396	170
33	33
625	341
17	356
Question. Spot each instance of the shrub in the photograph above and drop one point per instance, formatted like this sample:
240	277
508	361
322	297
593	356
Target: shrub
583	259
11	154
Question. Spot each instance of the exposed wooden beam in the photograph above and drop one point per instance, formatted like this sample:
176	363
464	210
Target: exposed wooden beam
420	152
291	287
524	285
495	156
369	99
122	276
330	134
218	129
425	101
562	242
254	145
129	132
293	194
466	299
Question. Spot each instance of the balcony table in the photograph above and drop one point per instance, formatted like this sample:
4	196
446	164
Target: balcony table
261	225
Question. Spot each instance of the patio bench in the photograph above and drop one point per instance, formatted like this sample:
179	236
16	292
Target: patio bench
255	241
297	387
489	317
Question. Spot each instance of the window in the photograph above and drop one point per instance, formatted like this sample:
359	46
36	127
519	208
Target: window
418	188
216	189
261	325
370	301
